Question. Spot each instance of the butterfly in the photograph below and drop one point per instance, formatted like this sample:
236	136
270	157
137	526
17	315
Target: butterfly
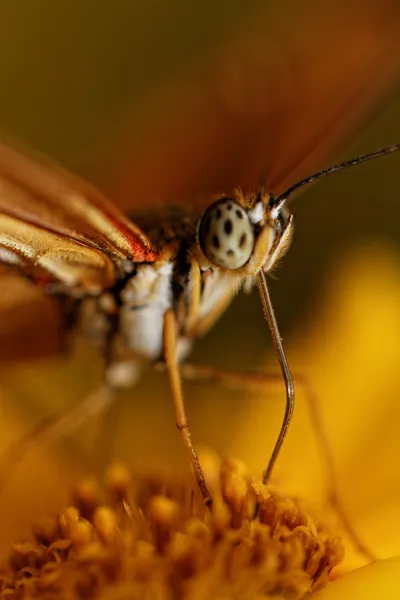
145	288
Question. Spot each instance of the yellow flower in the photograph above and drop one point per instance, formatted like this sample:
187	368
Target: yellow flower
349	354
155	539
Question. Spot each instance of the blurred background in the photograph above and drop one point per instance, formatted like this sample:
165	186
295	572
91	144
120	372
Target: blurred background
166	101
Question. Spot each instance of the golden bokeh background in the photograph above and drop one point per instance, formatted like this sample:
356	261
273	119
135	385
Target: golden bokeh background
75	77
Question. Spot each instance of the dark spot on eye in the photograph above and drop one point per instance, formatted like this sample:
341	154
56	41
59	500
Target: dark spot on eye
229	207
219	213
242	240
239	214
230	252
228	226
207	225
215	241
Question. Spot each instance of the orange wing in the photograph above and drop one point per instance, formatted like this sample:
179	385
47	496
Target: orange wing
57	227
271	105
31	324
338	61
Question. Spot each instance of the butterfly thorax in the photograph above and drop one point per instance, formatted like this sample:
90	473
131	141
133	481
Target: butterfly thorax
127	321
200	265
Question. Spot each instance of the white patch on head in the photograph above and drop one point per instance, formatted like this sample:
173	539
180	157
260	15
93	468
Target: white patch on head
275	213
226	234
256	215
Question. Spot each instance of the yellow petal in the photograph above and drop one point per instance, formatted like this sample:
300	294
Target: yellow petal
350	355
357	372
380	580
39	488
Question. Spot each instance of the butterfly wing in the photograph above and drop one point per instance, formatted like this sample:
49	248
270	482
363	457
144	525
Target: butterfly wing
55	227
337	63
271	105
31	324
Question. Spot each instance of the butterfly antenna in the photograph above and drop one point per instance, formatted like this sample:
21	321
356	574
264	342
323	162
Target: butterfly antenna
345	165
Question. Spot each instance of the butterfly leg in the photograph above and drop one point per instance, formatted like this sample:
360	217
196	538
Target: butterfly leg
254	380
171	360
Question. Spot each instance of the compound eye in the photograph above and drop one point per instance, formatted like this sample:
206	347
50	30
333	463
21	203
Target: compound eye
226	235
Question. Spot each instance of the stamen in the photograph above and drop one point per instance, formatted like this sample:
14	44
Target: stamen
153	538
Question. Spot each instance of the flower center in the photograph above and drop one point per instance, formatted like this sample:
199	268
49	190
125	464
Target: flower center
153	538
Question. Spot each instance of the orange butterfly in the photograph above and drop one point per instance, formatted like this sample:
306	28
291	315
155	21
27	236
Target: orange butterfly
277	101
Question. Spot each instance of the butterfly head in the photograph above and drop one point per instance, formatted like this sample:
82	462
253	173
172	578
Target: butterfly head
245	233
